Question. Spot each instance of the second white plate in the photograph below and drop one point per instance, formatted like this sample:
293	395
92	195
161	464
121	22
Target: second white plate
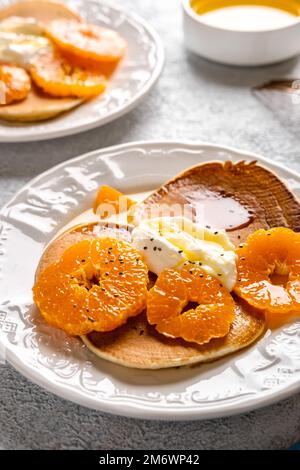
264	373
134	78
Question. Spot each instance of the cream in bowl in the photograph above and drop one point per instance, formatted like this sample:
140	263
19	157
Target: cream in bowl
243	32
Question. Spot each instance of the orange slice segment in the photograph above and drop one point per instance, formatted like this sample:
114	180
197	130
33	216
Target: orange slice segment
59	77
110	201
269	271
87	40
14	84
96	285
212	310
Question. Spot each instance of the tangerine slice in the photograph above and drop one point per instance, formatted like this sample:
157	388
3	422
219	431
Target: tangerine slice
87	40
15	84
102	68
110	201
268	269
96	285
58	77
172	292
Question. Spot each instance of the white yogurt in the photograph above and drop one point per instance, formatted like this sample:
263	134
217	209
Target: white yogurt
167	242
21	39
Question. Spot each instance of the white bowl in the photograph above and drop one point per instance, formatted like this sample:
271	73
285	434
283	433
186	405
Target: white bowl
245	48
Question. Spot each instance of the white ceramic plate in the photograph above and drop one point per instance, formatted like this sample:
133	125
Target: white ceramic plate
134	78
262	374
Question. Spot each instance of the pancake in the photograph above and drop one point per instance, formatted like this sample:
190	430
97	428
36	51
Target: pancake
43	10
137	344
238	197
38	106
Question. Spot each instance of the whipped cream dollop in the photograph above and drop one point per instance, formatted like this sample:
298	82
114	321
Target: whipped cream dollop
21	39
168	242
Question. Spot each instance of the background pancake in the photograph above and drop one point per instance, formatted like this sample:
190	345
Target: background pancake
38	106
137	344
43	10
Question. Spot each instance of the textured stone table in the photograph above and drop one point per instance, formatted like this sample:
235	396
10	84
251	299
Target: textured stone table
194	100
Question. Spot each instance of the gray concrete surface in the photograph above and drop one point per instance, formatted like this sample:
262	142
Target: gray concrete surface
194	100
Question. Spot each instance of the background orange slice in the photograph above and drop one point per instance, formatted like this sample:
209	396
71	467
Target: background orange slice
14	84
58	77
87	41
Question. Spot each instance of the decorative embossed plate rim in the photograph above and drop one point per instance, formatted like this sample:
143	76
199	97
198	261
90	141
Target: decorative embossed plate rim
134	78
258	376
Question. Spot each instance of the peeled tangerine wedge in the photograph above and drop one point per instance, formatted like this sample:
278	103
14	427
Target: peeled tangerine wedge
110	201
210	318
87	41
58	77
96	285
269	272
14	84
